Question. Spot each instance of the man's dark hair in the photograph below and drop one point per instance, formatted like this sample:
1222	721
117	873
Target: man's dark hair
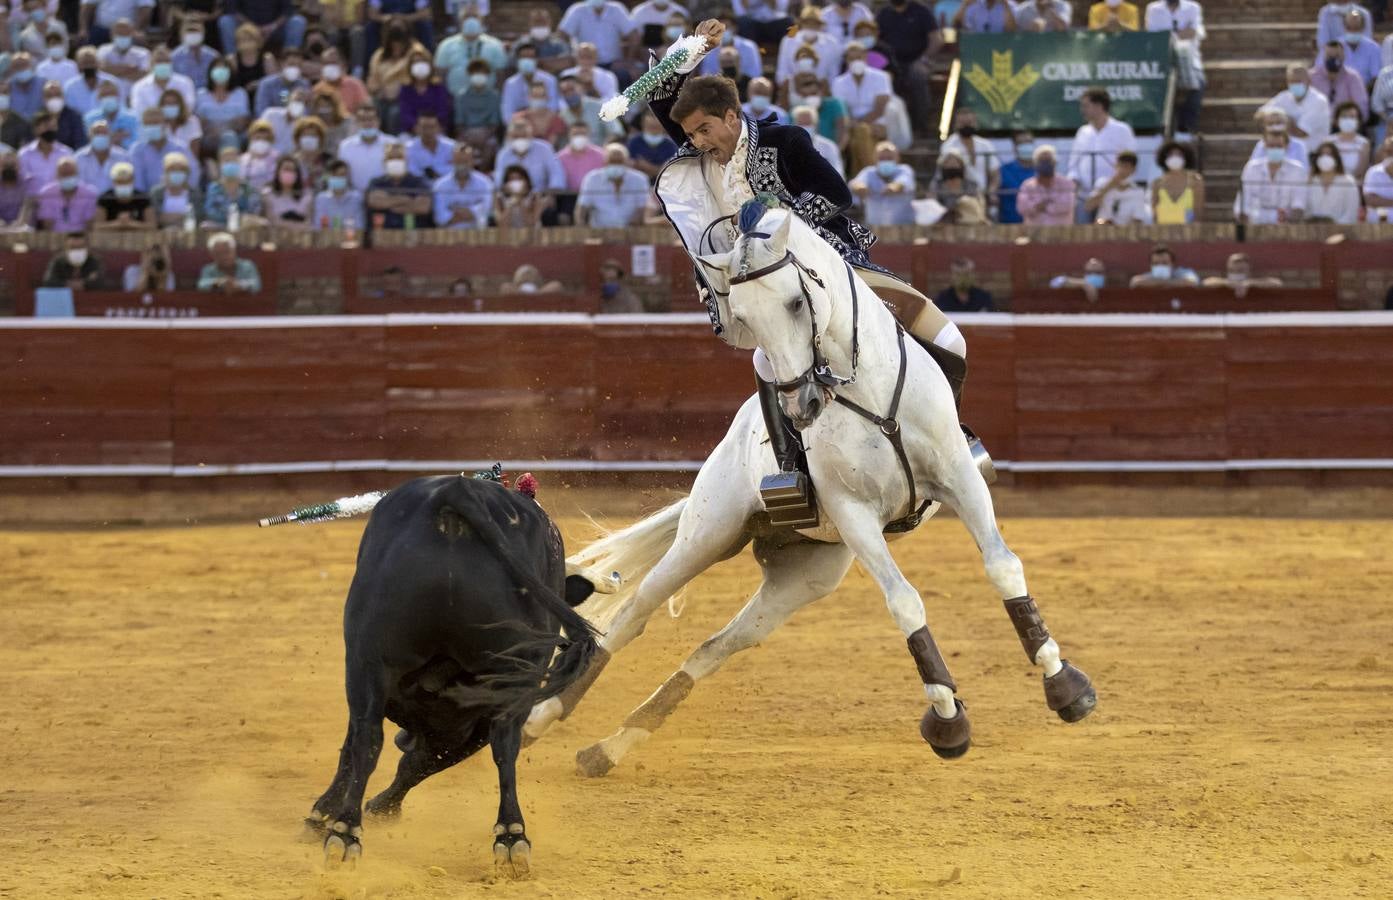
1127	156
1099	96
1161	249
714	95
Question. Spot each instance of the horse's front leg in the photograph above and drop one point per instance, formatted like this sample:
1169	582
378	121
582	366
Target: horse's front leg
944	726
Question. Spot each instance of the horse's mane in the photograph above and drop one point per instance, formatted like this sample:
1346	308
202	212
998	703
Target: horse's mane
802	239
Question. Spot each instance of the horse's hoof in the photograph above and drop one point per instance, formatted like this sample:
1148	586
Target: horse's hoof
594	762
405	741
949	738
512	856
1070	693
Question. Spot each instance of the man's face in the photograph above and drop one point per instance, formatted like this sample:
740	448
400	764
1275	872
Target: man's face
730	58
587	55
1335	56
964	276
122	29
966	119
520	130
651	125
1354	22
713	134
1162	259
429	127
67	169
805	119
615	158
1238	270
1298	76
366	116
1094	267
225	253
570	91
1126	170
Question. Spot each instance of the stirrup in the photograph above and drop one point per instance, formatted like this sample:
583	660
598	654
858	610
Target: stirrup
788	498
980	457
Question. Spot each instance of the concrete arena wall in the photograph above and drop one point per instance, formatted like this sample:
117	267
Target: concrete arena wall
284	395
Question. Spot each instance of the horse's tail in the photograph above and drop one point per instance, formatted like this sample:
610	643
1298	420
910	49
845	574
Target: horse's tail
631	553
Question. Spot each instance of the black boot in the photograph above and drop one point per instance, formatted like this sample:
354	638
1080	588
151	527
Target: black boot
787	496
955	370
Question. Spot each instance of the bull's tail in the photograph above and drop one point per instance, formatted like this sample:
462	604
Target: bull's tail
524	684
631	552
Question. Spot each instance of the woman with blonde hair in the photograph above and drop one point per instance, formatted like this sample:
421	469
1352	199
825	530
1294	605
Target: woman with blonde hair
175	200
259	162
327	106
424	92
249	59
230	189
390	70
309	138
179	125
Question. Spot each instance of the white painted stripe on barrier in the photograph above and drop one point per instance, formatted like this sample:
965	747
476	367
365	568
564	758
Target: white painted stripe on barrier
616	466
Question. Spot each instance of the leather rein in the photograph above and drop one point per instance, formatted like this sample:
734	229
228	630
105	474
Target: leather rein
820	374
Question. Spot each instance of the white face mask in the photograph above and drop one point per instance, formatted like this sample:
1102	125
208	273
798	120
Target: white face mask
420	70
520	146
1325	163
54	105
579	142
1348	125
193	39
260	147
540	32
295	108
332	72
1175	162
291	73
857	68
516	186
396	167
77	257
804	65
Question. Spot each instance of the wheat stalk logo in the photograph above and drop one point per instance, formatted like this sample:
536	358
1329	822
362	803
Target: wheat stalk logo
1003	88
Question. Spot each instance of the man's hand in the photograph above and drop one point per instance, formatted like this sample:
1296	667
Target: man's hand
712	30
894	187
860	189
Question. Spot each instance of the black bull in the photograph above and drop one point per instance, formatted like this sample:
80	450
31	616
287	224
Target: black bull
450	629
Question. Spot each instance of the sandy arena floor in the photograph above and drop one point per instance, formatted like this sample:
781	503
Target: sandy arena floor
174	703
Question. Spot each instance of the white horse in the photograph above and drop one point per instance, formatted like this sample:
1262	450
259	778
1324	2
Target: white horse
870	456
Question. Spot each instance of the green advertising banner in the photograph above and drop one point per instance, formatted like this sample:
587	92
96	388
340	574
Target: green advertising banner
1035	80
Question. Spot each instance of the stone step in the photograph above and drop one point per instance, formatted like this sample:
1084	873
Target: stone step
1229	114
1226	153
1246	77
1246	40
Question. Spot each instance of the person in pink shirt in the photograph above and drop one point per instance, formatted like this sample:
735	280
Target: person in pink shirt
38	160
580	157
1046	198
1338	82
66	204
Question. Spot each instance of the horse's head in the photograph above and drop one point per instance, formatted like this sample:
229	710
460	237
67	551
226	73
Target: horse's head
781	301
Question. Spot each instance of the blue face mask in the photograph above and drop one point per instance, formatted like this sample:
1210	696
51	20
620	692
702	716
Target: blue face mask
231	170
653	140
673	32
177	178
68	183
887	168
1096	279
1276	154
537	102
101	142
25	76
369	134
867	41
163	71
615	171
221	76
110	105
152	132
1161	271
337	183
170	111
122	42
759	103
472	28
1298	89
527	65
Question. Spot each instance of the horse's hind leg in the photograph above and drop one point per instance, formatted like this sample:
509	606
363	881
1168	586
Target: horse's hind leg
794	576
1068	690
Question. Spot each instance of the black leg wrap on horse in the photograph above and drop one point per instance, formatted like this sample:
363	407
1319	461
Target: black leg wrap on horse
932	668
1030	628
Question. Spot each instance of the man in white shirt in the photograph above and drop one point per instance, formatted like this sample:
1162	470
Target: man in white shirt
146	92
810	34
517	90
1184	19
1273	189
805	117
1378	186
1121	201
1093	156
604	23
886	189
122	59
976	152
365	151
594	80
1307	109
534	155
1275	121
841	18
614	195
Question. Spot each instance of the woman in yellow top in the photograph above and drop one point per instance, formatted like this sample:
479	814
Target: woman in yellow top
1177	197
1113	15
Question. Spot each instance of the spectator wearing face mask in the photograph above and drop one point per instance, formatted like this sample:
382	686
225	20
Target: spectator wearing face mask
1238	276
1177	195
122	58
1164	272
728	61
38	160
1121	201
363	151
547	124
651	148
1274	121
328	109
985	17
553	48
964	295
55	65
1048	198
805	62
536	156
579	158
71	131
275	90
26	90
231	190
1308	111
761	103
338	207
349	90
282	119
805	117
1354	147
429	155
184	128
1378	184
463	198
397	194
824	47
1039	16
424	93
1362	54
840	18
174	201
978	152
478	111
1093	280
515	203
1273	188
146	93
595	80
578	109
613	196
124	207
309	142
94	162
956	191
222	108
415	15
833	121
1332	195
748	63
1338	82
527	279
517	90
1332	18
125	127
616	297
97	20
65	204
259	162
288	201
81	92
456	56
1114	16
604	23
193	57
866	94
33	38
885	190
76	268
1012	175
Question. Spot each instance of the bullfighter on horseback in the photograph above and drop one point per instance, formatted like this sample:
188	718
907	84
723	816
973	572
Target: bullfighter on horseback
727	159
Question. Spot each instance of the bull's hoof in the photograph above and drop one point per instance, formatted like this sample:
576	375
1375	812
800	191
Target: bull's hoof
512	853
388	810
1069	693
316	828
949	738
594	762
405	741
343	846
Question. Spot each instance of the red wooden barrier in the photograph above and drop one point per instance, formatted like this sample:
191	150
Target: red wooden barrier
1187	300
171	304
502	303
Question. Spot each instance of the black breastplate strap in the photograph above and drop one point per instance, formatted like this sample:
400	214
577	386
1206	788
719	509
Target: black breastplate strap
890	427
